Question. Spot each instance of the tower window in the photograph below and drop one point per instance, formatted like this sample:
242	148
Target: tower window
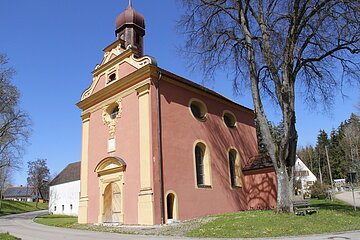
112	77
137	39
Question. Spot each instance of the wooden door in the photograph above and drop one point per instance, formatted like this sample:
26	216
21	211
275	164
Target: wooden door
108	203
116	203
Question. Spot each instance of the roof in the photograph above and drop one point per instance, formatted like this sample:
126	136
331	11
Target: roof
19	192
259	162
129	16
70	173
202	88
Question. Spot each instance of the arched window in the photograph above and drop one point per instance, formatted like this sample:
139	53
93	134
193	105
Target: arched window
199	158
202	165
234	168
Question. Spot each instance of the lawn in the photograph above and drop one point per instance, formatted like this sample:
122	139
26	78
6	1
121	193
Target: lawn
56	220
11	207
333	217
6	236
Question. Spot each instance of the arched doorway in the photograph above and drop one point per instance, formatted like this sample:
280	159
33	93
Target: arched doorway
171	207
110	173
112	203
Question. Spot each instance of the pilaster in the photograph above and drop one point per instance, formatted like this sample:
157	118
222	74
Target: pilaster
83	203
145	198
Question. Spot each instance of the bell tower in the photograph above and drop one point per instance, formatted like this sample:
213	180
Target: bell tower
130	27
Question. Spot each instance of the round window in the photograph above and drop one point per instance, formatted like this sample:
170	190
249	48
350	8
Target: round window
229	120
198	109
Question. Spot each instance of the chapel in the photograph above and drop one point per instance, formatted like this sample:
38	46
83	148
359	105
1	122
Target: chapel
159	148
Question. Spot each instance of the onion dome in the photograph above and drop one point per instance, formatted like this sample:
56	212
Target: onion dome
130	16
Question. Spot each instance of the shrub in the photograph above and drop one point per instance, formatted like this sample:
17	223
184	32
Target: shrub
319	190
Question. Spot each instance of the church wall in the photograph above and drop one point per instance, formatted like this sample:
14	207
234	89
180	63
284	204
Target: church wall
127	148
180	132
261	190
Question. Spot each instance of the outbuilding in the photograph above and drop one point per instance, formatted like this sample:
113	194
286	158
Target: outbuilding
65	191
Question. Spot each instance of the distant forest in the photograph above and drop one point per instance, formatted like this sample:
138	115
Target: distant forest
342	144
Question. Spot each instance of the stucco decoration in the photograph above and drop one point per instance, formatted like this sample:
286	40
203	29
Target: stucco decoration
110	165
113	52
127	56
110	118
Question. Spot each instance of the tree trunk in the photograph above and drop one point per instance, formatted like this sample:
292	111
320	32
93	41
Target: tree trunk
284	192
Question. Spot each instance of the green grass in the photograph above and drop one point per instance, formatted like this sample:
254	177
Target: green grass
332	217
72	222
7	236
56	220
11	207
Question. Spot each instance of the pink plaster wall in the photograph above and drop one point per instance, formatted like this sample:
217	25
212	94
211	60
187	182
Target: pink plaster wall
124	70
100	84
180	131
261	190
127	148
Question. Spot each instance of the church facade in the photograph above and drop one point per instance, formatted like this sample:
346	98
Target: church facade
158	148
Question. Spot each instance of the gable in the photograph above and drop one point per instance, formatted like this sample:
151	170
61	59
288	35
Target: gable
70	173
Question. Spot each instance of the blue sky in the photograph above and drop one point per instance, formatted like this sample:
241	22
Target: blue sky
54	46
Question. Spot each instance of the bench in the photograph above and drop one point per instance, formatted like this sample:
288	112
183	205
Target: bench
302	207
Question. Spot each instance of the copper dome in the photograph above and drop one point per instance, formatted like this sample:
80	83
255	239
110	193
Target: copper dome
130	16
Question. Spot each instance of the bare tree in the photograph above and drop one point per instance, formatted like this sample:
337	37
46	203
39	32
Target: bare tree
38	177
14	124
351	141
276	47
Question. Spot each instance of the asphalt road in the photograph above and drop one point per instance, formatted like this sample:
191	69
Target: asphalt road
348	197
22	226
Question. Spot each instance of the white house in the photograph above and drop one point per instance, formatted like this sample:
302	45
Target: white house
65	191
303	173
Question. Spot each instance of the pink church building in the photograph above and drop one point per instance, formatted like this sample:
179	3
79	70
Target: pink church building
158	148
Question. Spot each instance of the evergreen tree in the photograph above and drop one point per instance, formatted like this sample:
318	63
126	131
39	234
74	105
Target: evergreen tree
337	155
322	141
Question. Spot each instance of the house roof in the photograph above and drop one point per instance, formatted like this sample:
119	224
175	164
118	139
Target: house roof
19	192
70	173
259	162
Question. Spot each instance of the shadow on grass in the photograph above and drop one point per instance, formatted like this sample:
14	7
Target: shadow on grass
335	205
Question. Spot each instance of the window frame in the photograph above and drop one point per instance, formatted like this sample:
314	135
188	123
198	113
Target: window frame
202	107
236	179
206	166
231	116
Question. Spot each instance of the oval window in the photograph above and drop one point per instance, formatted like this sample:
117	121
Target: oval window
229	120
198	109
114	112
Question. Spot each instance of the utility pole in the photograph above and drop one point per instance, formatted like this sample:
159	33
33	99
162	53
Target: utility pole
331	180
352	188
320	175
